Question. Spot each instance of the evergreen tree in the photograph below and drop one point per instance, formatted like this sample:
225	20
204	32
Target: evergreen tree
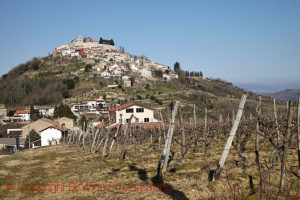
34	114
177	67
34	136
63	111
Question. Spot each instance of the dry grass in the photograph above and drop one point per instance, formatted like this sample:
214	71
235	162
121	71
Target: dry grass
62	164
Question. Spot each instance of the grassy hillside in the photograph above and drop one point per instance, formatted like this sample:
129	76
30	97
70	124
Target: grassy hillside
52	80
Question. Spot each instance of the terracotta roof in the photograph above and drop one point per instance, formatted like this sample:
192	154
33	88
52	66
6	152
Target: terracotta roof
2	108
98	100
47	120
22	112
122	106
105	124
58	127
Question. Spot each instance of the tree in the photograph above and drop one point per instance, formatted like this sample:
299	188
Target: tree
34	114
70	83
34	136
83	122
177	67
147	86
63	111
88	68
158	73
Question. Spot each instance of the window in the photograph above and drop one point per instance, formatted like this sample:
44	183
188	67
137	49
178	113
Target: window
129	110
136	120
139	110
127	120
146	119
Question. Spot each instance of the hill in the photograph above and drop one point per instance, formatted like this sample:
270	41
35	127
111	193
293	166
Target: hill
86	69
285	95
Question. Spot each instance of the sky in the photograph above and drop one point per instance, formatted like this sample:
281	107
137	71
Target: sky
241	41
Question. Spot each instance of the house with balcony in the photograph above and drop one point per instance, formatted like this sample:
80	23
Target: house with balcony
22	115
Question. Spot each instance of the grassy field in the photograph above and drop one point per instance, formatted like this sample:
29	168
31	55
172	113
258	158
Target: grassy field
69	172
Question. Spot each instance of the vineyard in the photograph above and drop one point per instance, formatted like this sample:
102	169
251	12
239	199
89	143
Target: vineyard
237	157
264	151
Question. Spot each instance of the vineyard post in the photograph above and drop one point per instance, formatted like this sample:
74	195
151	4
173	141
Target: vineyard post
195	121
257	133
166	151
276	121
285	146
298	130
230	138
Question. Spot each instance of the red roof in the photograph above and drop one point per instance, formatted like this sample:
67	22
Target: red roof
22	112
58	127
2	108
98	100
105	124
47	120
122	106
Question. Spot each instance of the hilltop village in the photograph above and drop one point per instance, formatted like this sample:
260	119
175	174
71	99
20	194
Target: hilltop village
105	59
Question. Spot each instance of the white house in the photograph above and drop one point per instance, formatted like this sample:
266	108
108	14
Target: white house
52	135
145	73
125	78
66	52
95	103
45	111
121	114
23	115
76	53
133	67
105	74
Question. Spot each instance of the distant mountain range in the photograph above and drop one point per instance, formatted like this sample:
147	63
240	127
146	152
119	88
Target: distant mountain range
267	88
285	95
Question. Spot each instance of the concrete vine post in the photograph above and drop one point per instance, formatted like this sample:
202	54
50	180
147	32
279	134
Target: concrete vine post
106	140
276	121
94	140
162	164
230	138
115	137
195	120
285	146
298	130
124	150
257	133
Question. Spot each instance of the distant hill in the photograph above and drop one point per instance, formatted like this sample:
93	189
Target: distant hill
73	75
285	95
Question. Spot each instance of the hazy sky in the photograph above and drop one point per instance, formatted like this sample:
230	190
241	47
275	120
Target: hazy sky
244	41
